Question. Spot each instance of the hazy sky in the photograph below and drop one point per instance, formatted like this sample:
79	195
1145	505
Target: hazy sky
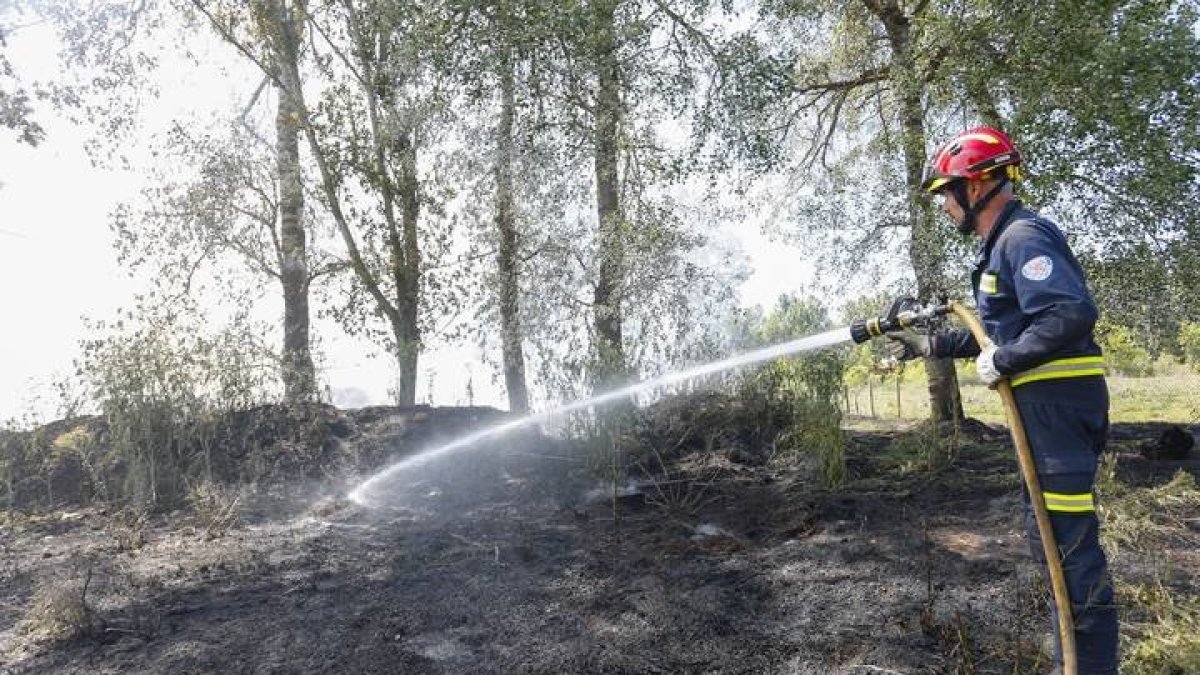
58	267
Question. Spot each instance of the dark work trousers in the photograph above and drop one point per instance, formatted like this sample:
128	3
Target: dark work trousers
1066	421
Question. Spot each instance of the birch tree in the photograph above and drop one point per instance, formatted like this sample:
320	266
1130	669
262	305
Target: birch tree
507	259
496	48
626	70
868	77
114	48
364	137
214	209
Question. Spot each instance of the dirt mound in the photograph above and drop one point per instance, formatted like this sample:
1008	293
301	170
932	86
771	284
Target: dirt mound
1172	444
76	462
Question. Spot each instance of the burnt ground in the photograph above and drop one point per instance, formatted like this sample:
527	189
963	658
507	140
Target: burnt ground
519	560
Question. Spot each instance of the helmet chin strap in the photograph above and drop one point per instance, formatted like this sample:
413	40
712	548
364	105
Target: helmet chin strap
971	211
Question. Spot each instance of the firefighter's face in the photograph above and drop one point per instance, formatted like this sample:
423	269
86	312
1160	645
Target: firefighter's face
948	201
948	204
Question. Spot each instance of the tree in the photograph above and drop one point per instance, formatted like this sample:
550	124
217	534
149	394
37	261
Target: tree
281	24
373	61
509	251
792	317
110	49
16	113
566	257
864	83
607	112
505	38
1111	135
627	66
217	204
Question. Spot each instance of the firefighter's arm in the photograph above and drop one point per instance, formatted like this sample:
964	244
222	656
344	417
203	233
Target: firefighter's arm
956	344
1051	290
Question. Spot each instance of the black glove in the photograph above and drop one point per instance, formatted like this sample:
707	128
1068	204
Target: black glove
906	345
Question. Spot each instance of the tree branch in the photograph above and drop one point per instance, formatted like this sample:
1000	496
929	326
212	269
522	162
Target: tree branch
691	30
866	77
232	39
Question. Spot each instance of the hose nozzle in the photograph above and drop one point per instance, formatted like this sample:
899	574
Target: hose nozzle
904	313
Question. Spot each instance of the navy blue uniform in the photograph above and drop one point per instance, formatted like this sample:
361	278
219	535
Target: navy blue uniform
1035	305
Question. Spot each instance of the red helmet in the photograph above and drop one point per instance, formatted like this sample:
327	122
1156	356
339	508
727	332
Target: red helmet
970	155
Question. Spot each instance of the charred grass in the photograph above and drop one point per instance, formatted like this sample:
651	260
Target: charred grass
702	550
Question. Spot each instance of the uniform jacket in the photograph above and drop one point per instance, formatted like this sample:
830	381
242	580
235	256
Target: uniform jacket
1031	294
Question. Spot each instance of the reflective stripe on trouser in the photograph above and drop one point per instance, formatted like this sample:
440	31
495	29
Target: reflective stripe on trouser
1067	439
1066	503
1076	366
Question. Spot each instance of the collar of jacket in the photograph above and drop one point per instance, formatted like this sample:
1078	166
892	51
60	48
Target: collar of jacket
1002	221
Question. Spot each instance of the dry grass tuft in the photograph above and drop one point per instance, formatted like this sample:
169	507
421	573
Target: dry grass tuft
216	508
1160	625
129	529
1141	518
59	611
1167	641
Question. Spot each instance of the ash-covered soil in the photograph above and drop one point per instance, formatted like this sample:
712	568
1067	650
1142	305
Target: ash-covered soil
516	558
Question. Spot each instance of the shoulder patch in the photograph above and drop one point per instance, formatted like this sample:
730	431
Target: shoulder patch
1038	269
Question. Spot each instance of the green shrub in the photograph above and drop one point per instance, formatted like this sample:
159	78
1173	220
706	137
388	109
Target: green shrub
1122	352
162	386
1189	341
804	394
795	401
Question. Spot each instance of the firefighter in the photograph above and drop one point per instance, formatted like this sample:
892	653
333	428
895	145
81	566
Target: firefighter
1036	308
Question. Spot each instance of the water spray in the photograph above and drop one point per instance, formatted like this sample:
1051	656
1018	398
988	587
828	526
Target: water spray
905	312
363	494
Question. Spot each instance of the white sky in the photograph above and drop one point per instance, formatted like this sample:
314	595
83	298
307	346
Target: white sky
58	267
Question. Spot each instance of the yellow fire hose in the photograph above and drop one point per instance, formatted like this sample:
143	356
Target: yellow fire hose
1058	582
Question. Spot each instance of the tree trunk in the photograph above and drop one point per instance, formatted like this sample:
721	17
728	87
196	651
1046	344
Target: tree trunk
299	381
925	248
280	21
510	310
610	351
394	142
408	273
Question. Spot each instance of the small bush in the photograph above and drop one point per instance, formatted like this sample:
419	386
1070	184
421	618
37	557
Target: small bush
1122	352
216	508
801	394
805	392
1189	342
160	386
129	529
59	611
928	447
